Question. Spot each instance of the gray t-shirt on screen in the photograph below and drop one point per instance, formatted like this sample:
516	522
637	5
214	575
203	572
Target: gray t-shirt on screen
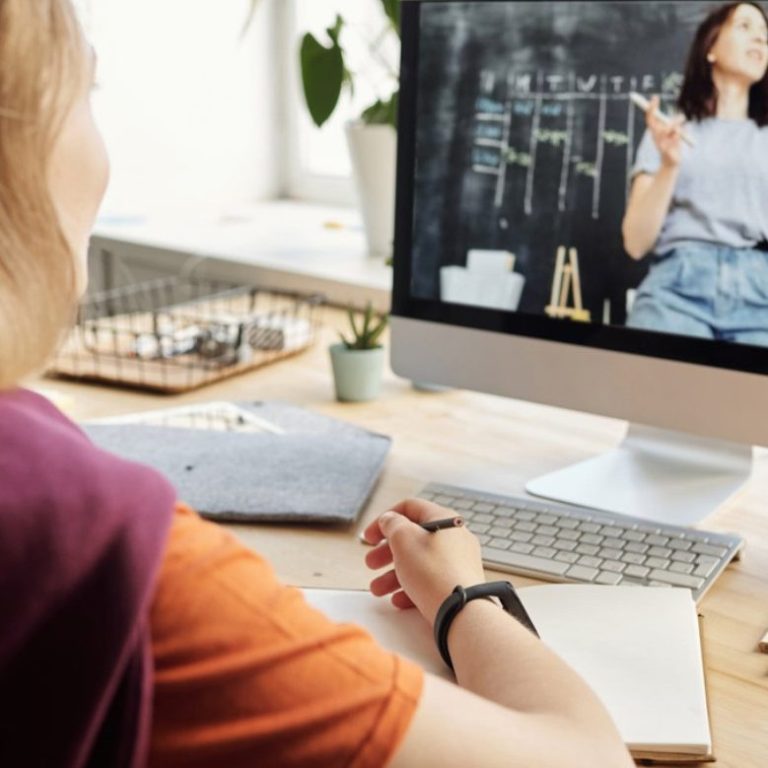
721	194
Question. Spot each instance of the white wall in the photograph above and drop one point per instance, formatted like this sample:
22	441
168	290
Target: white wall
187	105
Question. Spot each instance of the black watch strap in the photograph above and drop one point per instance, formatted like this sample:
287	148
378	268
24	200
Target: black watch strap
462	595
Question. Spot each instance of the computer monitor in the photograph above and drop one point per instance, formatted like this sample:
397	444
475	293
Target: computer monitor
518	146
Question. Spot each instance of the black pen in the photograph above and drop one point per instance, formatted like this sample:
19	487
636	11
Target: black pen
439	525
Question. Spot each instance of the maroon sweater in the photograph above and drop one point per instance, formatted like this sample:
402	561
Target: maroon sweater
82	534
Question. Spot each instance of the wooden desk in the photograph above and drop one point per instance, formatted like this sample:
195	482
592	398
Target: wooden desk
496	445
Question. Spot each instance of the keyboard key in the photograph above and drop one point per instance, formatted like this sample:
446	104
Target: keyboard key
676	579
498	543
484	538
446	501
634	536
637	571
589	528
657	541
613	543
587	549
545	519
519	546
635	546
497	530
478	528
527	562
543	541
520	536
569	535
544	552
524	526
482	518
591	538
606	577
582	573
591	562
567	557
463	504
682	544
613	566
708	549
547	530
683	557
633	558
482	506
660	551
610	554
705	569
612	531
522	514
504	522
505	511
657	562
681	567
564	544
567	523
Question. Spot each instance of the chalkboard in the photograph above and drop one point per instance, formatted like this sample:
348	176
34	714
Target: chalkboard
526	135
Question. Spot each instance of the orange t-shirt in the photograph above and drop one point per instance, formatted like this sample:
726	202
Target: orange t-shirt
247	674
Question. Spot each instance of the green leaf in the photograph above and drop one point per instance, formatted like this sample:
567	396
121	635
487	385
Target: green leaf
322	74
392	9
375	335
382	112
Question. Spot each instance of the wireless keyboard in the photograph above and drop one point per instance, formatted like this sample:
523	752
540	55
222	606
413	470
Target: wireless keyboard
559	542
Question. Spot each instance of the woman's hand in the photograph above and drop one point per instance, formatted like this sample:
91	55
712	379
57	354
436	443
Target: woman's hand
666	136
427	566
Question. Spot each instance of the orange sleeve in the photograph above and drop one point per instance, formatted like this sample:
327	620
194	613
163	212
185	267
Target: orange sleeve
246	673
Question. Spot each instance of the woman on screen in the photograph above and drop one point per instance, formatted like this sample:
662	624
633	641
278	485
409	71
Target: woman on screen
700	208
134	633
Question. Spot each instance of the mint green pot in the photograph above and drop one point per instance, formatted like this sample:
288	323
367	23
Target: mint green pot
357	373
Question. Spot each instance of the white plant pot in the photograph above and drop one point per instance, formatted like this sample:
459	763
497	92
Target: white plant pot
357	372
373	149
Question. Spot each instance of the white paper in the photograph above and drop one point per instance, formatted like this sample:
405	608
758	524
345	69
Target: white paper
638	648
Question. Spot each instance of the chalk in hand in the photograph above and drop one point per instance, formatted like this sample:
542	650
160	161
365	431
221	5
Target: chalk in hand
645	105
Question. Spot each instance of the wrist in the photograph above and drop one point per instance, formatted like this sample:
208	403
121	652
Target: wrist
459	600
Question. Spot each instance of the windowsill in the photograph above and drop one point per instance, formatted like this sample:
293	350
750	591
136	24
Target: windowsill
296	246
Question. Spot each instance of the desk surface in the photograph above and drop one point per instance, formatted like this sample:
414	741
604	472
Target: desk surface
496	445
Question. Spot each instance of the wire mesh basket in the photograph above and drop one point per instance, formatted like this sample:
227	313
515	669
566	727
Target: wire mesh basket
172	335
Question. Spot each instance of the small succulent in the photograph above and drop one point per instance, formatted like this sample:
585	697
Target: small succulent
366	329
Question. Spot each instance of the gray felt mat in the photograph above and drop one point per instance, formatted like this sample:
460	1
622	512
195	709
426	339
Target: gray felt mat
320	470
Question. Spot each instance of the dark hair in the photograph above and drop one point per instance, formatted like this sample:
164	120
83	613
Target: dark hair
698	97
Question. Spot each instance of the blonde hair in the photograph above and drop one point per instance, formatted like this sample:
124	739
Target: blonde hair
41	69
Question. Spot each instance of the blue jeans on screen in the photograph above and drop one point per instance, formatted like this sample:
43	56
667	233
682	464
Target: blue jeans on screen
707	291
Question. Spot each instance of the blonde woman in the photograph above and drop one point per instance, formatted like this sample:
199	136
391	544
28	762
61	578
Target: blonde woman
700	212
133	632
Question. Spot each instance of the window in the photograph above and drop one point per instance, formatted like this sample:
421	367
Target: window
186	103
199	117
319	167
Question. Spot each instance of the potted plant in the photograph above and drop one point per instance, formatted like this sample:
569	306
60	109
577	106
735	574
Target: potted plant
358	359
372	138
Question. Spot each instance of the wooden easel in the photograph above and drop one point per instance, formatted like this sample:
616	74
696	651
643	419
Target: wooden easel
566	278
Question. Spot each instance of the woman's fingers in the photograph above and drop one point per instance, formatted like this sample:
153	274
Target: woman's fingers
401	600
383	585
379	557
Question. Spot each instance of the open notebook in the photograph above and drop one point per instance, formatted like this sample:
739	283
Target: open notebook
638	648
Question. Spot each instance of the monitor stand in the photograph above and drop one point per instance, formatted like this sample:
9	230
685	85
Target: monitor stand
655	474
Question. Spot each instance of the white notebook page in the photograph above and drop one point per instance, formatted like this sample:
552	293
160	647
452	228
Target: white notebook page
637	647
